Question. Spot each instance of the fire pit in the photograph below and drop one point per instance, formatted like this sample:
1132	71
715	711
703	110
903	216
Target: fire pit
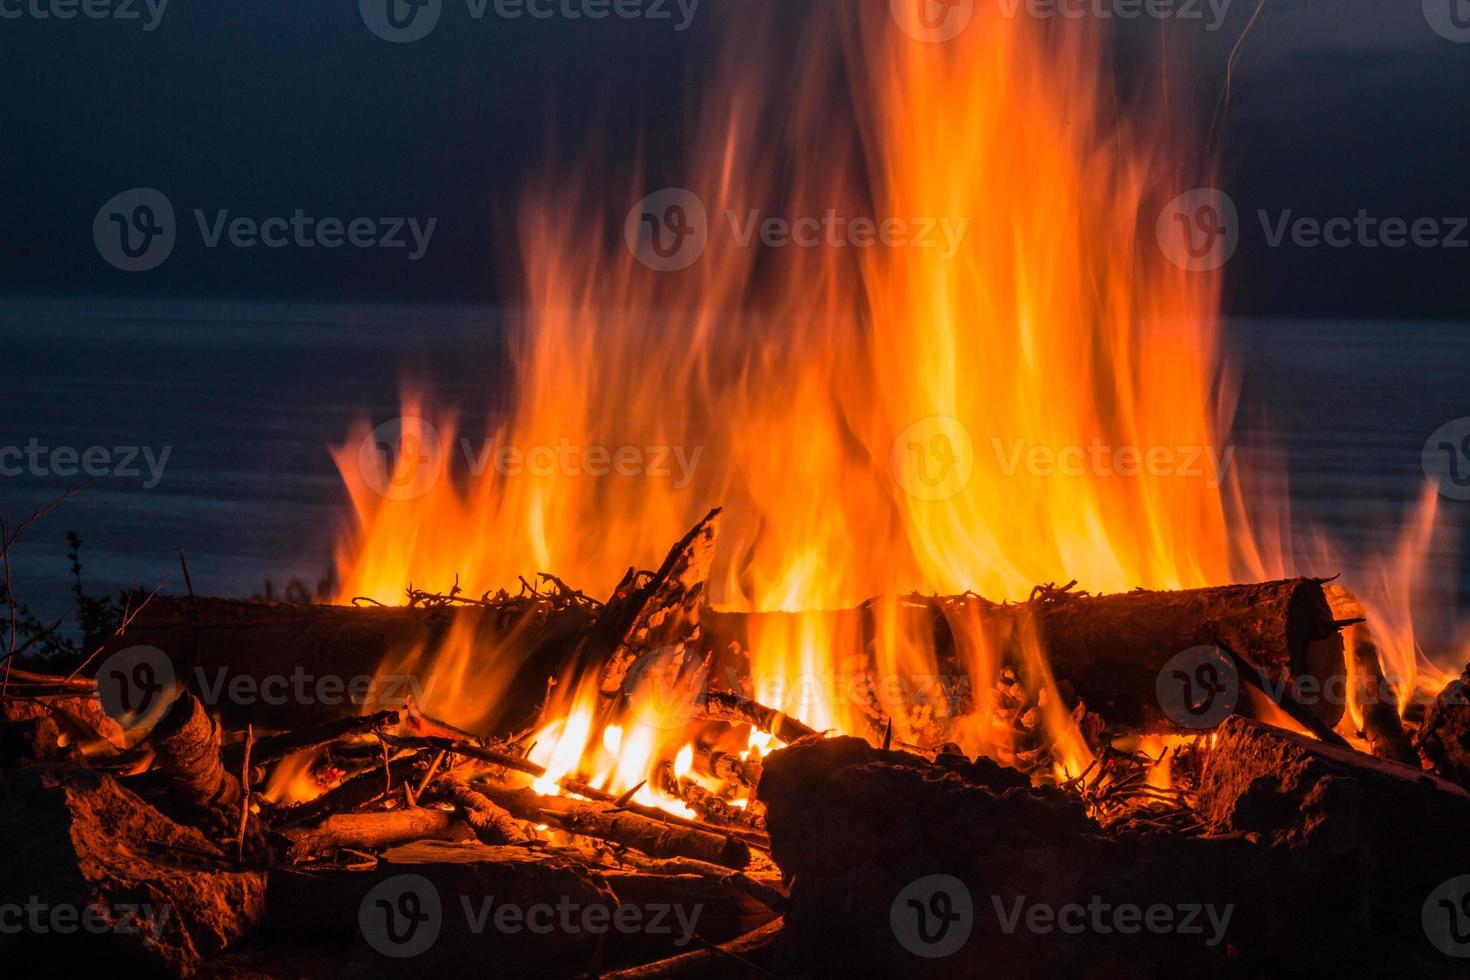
895	608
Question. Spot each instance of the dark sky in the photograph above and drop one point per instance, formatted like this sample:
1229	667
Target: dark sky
267	106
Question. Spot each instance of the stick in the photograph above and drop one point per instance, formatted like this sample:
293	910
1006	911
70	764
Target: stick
368	830
490	822
706	963
244	791
731	708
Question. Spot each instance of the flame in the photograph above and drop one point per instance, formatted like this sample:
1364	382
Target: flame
875	420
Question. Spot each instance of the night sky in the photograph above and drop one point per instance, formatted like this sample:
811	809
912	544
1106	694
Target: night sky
262	108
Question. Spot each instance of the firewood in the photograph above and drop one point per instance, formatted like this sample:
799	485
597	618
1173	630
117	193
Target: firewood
1444	737
1377	703
727	707
367	831
359	790
187	741
740	958
659	614
728	767
606	822
490	822
276	747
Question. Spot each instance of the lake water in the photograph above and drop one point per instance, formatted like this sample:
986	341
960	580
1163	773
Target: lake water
246	398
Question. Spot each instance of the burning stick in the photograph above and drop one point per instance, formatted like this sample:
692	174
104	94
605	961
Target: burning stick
359	790
731	708
606	822
275	747
491	823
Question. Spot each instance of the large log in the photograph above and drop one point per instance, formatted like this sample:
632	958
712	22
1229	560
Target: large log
1111	649
287	666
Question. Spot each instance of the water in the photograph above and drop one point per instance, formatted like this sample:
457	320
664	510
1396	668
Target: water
246	398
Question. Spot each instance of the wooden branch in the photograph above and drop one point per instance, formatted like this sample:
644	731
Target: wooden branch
1444	737
367	831
366	787
491	823
276	747
187	741
731	708
737	959
606	822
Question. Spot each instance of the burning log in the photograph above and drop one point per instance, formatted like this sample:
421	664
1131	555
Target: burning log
215	645
728	767
731	708
606	822
276	747
187	741
364	831
1444	738
365	787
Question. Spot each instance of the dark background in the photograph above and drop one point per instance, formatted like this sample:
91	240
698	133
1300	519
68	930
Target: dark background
264	107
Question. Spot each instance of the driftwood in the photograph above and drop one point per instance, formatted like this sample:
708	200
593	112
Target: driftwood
364	831
606	822
187	741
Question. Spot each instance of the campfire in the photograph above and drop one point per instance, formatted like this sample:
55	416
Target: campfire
829	611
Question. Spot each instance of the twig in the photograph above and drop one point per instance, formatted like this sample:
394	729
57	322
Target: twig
244	789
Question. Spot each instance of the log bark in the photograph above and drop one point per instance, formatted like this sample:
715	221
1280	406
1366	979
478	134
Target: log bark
1444	738
491	823
735	710
606	822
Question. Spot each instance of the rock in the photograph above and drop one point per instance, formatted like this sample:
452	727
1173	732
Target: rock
93	874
